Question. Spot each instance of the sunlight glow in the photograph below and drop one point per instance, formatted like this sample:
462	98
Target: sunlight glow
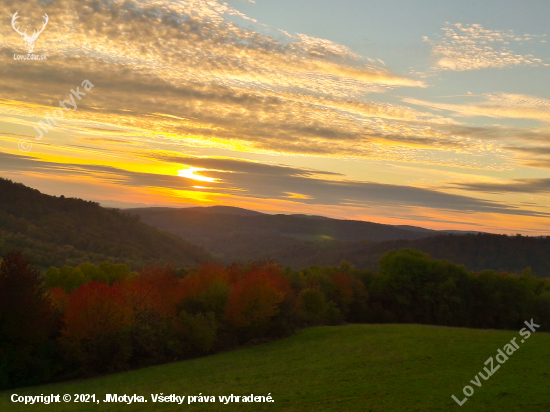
190	174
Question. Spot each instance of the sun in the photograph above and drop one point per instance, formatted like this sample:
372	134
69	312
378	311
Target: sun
190	174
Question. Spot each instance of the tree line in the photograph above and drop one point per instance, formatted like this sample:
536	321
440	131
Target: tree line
94	319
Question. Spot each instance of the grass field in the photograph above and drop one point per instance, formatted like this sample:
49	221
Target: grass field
347	368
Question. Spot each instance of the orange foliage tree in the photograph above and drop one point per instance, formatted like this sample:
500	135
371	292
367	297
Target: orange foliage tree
154	294
255	297
207	289
95	323
95	309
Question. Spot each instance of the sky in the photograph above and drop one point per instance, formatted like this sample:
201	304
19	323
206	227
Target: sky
425	113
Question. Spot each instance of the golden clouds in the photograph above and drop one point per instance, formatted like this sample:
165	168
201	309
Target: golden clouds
500	105
181	73
181	77
471	47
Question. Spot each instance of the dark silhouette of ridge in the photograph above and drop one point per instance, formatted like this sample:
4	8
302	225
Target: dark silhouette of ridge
58	231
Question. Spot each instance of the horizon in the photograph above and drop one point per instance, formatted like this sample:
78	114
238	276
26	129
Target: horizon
448	231
429	114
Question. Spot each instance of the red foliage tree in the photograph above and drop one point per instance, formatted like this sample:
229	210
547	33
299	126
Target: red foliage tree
255	298
95	310
155	292
201	279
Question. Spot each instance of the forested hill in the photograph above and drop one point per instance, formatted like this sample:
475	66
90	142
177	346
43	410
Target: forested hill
239	235
209	224
58	231
476	252
298	241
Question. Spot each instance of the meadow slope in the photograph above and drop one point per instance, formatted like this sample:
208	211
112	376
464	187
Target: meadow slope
345	368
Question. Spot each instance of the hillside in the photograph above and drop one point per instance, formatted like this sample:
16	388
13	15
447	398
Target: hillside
202	224
235	234
58	231
299	241
476	252
347	368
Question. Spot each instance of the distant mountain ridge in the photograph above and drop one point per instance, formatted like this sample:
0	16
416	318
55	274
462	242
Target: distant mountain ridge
232	210
201	223
62	231
239	235
58	231
299	241
225	210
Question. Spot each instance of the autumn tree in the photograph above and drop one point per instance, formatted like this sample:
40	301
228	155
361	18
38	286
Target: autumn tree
207	289
255	298
95	327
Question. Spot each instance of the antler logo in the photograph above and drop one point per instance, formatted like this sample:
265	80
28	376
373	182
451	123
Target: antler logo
29	40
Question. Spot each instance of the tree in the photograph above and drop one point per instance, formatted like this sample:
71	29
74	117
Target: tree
25	322
255	298
416	288
95	327
313	304
207	289
344	291
66	278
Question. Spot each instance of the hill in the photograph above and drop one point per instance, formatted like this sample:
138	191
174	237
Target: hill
300	241
243	235
476	252
224	210
347	368
58	231
204	223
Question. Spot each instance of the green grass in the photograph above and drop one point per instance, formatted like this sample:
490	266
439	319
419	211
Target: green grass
348	368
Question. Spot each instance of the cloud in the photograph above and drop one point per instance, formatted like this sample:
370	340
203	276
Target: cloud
532	156
307	186
183	73
497	105
471	47
513	186
234	165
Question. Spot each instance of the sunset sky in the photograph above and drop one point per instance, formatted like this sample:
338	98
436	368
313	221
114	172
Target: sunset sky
427	113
